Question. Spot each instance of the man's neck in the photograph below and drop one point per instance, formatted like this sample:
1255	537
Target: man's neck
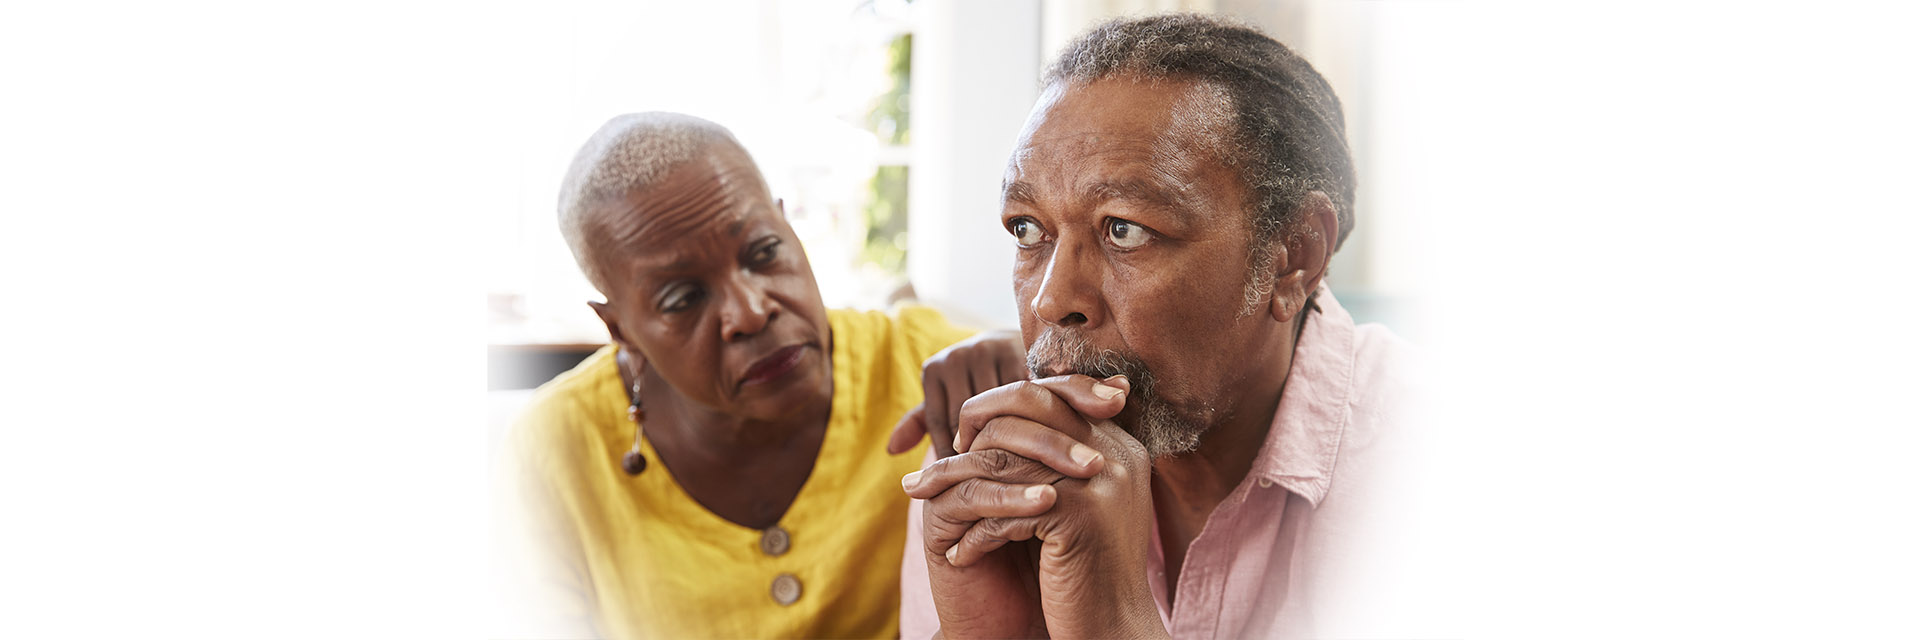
1187	487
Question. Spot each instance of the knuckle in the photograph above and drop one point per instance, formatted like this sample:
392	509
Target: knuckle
984	531
968	492
933	367
937	471
996	462
972	405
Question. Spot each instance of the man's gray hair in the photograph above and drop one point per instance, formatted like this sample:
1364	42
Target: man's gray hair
629	153
1288	134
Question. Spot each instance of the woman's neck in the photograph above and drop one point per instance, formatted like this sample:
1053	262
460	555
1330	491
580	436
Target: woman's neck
747	471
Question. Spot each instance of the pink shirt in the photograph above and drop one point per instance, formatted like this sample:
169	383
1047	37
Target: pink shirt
1272	558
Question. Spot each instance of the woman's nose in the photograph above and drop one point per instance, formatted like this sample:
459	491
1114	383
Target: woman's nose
747	310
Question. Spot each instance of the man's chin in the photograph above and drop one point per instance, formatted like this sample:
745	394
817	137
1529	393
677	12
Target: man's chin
1159	429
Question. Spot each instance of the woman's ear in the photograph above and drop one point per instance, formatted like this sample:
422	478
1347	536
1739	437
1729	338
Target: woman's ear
629	352
1306	250
612	320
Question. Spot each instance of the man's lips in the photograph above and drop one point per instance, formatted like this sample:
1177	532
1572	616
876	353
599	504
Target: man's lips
1051	370
774	365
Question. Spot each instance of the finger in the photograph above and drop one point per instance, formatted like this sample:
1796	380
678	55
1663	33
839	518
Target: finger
1041	444
948	515
1033	401
998	465
939	430
1095	399
990	534
982	375
908	432
959	387
1013	368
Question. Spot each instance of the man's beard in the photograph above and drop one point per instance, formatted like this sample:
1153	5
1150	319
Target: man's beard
1154	423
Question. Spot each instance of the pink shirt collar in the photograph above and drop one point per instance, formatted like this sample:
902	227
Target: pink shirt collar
1314	412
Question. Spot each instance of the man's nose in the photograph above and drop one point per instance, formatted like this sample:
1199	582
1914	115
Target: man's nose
747	309
1069	292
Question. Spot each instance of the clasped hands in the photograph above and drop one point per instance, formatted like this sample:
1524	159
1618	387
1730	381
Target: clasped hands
1040	524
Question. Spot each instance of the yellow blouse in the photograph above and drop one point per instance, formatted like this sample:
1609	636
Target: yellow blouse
641	558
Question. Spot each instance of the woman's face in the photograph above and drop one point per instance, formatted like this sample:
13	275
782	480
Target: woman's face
709	284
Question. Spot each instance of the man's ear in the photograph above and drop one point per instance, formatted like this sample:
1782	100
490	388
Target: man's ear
1306	250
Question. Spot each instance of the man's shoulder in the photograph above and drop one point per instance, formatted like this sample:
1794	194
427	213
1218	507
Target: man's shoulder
1383	391
1382	360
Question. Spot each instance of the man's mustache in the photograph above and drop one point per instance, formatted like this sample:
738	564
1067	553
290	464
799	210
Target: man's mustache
1065	351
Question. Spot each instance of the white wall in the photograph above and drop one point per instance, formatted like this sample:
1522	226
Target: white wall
976	69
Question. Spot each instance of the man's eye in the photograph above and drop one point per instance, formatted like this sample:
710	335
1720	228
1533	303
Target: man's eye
1126	235
1025	231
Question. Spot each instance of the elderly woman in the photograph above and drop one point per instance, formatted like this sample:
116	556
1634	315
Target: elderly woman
722	469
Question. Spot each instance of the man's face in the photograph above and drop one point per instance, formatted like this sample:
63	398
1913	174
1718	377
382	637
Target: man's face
709	284
1133	251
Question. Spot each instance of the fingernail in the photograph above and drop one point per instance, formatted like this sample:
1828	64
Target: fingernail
953	552
1106	391
1036	492
1119	381
1083	454
909	481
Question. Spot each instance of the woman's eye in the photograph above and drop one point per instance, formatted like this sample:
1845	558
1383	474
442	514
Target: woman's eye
765	254
680	298
1126	235
1025	231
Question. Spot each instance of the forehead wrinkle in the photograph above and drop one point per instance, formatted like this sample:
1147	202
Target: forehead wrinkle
683	251
1159	192
664	216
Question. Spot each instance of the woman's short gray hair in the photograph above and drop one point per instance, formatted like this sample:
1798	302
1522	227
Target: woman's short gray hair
629	153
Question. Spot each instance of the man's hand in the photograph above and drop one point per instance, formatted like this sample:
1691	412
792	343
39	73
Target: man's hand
1042	524
953	376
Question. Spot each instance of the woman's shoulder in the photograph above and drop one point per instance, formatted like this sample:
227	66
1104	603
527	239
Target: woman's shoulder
913	331
570	402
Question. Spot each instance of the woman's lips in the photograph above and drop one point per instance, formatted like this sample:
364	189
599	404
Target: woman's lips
774	365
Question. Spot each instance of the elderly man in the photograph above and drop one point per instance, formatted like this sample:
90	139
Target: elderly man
1182	462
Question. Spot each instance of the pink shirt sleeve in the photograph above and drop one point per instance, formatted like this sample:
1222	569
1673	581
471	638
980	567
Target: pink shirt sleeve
918	619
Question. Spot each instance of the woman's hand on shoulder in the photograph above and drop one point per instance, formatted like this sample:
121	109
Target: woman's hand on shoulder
950	378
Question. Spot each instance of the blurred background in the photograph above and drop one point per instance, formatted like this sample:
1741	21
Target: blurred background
883	124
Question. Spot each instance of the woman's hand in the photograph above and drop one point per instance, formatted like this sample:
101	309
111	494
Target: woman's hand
952	376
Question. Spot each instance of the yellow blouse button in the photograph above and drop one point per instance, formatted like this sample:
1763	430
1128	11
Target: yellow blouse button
786	589
774	541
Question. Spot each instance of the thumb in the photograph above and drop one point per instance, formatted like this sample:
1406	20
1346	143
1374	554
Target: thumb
909	431
1094	399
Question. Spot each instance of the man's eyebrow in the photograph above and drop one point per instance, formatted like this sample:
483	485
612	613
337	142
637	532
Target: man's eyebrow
1017	191
1142	191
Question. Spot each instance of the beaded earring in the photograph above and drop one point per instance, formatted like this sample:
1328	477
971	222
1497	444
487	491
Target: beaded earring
633	462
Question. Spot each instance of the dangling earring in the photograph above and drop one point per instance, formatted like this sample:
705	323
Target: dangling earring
633	462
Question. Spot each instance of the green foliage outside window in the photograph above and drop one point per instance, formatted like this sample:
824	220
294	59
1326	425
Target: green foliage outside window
886	212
